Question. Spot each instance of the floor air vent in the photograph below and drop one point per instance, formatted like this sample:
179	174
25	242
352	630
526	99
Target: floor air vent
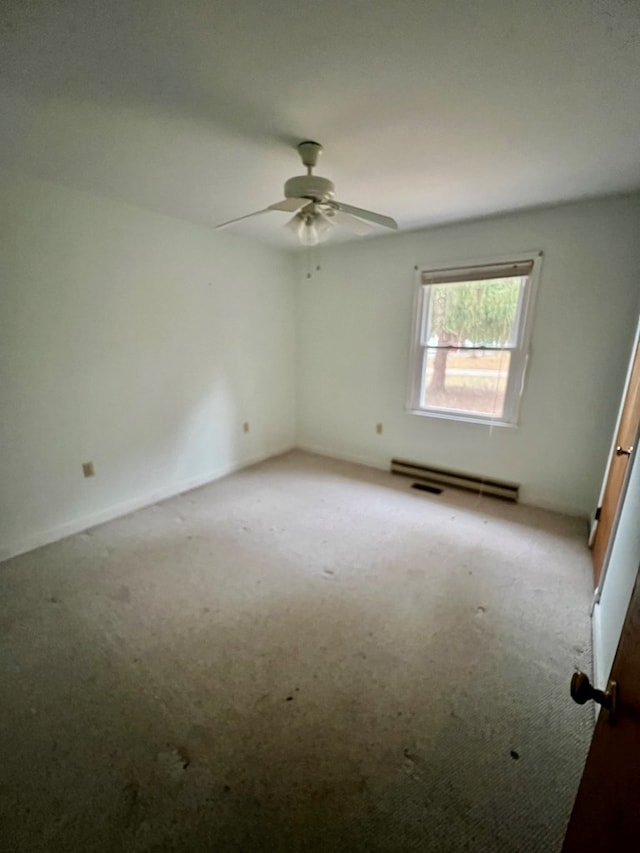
425	487
446	477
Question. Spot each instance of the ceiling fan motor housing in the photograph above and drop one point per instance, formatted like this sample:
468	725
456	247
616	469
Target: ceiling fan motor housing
309	186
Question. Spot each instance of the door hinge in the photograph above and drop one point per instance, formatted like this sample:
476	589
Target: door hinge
596	517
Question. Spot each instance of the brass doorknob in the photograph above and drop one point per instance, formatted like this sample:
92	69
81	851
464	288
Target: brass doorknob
582	690
621	451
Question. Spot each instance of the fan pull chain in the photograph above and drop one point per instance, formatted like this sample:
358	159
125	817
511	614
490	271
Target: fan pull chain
311	263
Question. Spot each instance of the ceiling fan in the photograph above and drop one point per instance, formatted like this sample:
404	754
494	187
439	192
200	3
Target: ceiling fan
317	211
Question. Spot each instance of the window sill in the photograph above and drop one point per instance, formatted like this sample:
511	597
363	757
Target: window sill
462	418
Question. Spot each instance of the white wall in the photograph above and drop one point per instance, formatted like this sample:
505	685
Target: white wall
136	341
142	343
354	321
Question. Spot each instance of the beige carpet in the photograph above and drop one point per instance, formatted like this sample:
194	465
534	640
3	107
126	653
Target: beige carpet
305	656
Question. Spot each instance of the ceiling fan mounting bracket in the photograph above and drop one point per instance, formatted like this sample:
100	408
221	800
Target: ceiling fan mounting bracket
309	152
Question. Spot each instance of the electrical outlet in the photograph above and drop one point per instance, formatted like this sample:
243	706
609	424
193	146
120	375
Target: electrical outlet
245	426
88	469
379	429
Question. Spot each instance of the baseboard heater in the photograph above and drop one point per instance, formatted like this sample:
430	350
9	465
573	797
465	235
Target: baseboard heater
444	476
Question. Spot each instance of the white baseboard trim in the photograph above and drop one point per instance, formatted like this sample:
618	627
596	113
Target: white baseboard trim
554	506
78	525
69	528
384	465
368	461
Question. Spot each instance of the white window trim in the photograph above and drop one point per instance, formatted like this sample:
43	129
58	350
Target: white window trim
519	355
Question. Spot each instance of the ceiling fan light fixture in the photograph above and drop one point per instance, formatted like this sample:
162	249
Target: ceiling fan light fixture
308	234
311	228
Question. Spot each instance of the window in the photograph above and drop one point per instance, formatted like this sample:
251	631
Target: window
471	338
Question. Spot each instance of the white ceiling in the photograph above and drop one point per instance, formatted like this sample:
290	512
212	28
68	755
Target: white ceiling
429	110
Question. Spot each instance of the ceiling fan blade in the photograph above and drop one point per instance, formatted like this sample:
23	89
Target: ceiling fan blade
289	204
358	226
240	218
367	215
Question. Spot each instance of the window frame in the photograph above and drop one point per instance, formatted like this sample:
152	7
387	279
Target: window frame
520	353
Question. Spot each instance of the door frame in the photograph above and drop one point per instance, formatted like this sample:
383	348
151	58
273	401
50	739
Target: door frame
594	522
597	595
600	677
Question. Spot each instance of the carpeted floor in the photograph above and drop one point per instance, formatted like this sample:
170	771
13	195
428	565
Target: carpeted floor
305	656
